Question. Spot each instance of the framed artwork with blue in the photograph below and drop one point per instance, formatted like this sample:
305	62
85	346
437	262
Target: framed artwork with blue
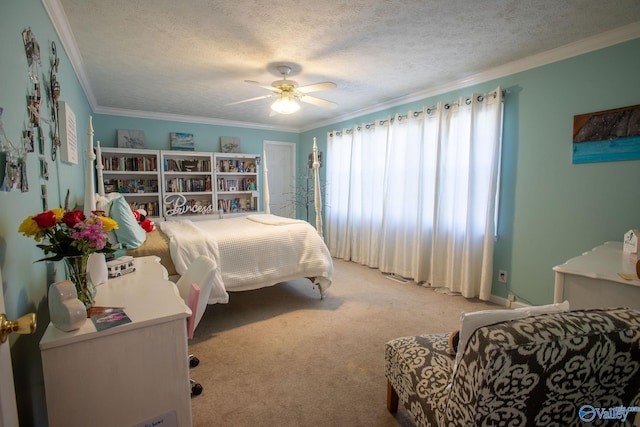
607	136
182	141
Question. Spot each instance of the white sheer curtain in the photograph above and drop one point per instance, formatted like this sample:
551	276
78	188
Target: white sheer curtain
415	194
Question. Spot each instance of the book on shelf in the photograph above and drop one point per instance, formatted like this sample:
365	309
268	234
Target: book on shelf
130	164
181	185
131	185
236	205
187	165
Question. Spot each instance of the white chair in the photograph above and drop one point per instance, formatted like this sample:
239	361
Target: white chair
195	288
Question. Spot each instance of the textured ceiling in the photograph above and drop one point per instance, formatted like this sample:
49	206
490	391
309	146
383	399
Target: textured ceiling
191	57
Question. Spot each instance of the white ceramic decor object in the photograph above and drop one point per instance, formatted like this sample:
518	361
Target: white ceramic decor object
67	312
97	269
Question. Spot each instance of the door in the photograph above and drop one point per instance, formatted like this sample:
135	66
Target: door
281	168
8	411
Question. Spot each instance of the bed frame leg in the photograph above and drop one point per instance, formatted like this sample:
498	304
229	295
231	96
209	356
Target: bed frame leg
314	284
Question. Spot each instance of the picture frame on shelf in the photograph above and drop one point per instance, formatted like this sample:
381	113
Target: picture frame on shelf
230	144
130	138
182	141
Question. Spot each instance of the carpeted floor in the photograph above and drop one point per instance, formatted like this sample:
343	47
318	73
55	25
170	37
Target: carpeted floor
280	356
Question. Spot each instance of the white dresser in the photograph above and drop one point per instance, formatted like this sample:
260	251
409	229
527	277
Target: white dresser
128	374
591	280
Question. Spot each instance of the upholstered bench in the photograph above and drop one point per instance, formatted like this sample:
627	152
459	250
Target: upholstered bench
555	369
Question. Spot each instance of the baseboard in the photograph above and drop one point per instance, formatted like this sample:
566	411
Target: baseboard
506	303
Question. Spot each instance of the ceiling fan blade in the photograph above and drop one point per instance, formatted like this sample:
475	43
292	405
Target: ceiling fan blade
317	101
316	87
272	88
249	100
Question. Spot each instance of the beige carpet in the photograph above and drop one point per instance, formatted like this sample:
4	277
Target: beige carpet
280	356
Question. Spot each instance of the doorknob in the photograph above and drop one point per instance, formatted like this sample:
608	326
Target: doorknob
24	325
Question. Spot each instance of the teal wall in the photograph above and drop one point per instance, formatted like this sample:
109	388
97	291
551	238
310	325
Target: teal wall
550	209
206	136
24	282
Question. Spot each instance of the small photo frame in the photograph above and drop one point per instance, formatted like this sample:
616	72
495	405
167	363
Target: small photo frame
182	141
230	144
130	138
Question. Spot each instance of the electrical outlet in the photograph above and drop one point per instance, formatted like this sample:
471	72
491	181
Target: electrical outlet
502	276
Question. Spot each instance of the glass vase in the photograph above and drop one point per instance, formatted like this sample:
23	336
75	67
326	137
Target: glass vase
77	272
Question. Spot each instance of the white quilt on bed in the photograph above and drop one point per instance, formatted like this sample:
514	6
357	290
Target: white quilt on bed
252	251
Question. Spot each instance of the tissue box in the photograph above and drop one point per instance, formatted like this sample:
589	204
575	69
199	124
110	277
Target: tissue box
630	242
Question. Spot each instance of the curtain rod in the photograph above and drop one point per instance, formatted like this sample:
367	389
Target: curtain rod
447	105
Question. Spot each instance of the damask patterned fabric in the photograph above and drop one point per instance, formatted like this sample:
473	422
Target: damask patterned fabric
535	371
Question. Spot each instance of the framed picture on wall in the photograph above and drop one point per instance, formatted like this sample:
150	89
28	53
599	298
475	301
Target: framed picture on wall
230	144
130	138
182	141
607	136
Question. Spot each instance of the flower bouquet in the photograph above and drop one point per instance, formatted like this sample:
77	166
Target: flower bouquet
71	237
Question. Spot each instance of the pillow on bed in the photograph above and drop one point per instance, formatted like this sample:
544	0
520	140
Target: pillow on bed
129	232
103	204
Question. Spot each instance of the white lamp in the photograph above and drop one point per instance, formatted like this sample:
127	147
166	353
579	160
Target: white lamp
285	104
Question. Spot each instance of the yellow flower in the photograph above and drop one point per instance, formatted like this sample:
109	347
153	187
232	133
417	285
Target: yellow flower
29	227
59	213
109	223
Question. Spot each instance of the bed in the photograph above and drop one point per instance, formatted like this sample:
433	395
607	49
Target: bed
250	252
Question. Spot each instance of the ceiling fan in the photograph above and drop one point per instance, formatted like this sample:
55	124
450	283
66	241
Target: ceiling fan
288	92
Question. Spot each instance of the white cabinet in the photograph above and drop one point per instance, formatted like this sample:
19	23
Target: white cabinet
171	184
136	174
127	374
236	178
187	189
592	280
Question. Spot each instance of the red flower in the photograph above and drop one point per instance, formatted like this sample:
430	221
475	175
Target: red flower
45	219
73	218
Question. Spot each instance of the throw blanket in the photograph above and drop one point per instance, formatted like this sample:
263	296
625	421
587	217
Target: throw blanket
182	256
269	219
187	242
252	251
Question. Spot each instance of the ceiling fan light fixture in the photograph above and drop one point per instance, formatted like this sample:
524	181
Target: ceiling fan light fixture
285	104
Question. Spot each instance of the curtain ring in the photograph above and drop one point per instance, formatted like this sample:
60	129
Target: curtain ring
480	98
447	106
416	113
429	111
467	101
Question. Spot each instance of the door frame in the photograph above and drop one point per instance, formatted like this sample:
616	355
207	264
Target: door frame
294	161
8	408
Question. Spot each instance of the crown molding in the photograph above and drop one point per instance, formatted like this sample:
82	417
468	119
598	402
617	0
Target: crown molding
189	119
61	24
